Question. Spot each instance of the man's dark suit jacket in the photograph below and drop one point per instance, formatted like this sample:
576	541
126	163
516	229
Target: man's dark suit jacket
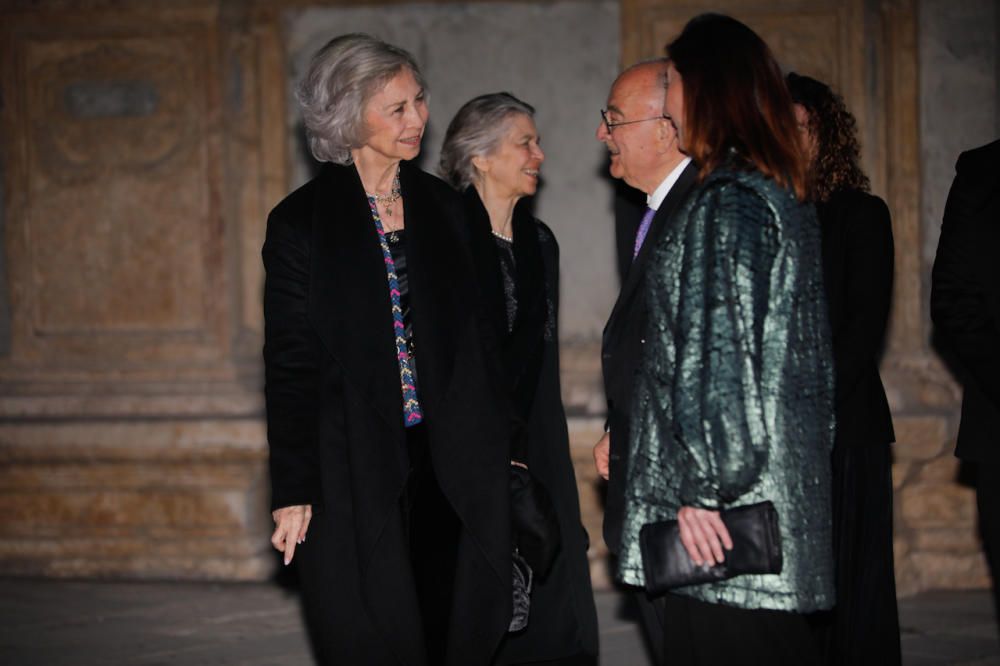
622	342
965	297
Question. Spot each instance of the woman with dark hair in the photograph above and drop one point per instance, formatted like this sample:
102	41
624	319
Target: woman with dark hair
491	153
734	396
388	448
856	230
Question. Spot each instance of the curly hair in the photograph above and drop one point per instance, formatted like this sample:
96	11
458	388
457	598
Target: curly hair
835	165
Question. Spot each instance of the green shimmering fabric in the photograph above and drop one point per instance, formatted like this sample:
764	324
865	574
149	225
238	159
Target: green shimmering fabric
734	393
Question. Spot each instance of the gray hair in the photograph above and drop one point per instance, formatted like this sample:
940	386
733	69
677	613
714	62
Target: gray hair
476	130
342	77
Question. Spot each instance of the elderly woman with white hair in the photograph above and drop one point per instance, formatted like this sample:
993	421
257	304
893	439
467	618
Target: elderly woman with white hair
491	153
388	445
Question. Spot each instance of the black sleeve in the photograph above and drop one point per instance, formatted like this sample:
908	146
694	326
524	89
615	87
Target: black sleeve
291	368
867	291
959	306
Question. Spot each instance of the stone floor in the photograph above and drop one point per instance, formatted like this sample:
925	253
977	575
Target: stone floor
52	623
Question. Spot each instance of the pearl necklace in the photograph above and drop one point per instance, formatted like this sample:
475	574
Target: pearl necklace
387	200
509	239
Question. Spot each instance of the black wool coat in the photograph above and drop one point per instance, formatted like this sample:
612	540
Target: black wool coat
857	273
965	297
335	421
562	620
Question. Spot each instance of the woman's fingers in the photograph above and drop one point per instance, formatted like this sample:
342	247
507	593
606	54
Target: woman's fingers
710	528
691	536
708	543
703	535
291	523
305	524
715	520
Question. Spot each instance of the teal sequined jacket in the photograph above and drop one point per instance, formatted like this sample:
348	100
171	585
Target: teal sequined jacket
734	394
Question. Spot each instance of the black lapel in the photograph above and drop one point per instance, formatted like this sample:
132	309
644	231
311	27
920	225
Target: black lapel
526	340
439	279
633	279
487	263
349	296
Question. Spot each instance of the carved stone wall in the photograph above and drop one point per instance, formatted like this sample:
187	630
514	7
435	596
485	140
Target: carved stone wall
131	439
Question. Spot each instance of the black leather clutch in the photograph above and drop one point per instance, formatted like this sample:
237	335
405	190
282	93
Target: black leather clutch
756	549
534	521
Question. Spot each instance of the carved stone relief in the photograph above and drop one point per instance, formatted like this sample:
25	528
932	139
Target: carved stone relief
140	161
116	244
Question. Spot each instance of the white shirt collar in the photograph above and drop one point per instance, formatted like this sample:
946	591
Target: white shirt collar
660	193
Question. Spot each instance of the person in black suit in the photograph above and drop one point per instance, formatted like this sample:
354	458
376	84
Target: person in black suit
965	307
491	153
388	449
857	249
644	153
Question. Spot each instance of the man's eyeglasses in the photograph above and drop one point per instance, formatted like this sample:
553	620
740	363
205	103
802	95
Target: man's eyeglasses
610	124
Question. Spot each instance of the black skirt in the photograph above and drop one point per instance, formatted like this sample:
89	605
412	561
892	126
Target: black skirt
863	628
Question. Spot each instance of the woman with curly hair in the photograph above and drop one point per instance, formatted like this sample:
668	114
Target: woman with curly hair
857	250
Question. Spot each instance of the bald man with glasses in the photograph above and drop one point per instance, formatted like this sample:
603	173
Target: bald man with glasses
642	143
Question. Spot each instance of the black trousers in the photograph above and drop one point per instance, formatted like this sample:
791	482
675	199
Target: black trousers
863	628
702	634
651	620
988	505
433	529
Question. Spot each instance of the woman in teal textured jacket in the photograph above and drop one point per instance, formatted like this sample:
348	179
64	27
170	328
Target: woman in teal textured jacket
734	396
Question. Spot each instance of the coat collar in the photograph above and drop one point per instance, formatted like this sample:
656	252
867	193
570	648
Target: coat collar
349	299
432	256
523	346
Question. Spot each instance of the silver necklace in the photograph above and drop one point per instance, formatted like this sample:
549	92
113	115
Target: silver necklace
387	200
509	239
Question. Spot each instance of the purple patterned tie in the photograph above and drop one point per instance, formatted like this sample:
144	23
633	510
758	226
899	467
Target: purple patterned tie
640	235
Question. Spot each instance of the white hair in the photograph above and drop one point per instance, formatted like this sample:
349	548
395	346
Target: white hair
341	79
477	130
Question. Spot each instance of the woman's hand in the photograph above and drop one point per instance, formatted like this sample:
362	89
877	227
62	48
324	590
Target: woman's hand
704	535
290	525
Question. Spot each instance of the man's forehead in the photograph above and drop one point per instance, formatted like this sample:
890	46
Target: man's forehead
633	90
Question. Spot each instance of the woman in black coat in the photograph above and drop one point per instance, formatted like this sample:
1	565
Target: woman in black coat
388	452
857	266
491	151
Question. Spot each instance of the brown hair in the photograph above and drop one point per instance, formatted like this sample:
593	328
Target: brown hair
735	98
838	153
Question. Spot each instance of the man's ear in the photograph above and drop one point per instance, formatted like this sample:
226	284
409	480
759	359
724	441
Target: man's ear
666	135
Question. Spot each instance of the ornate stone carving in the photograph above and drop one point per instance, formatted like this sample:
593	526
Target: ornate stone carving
140	162
116	247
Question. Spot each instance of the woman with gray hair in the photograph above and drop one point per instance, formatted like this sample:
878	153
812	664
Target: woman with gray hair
388	464
491	153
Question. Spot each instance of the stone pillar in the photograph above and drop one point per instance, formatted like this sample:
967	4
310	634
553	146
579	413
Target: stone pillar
956	92
140	156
